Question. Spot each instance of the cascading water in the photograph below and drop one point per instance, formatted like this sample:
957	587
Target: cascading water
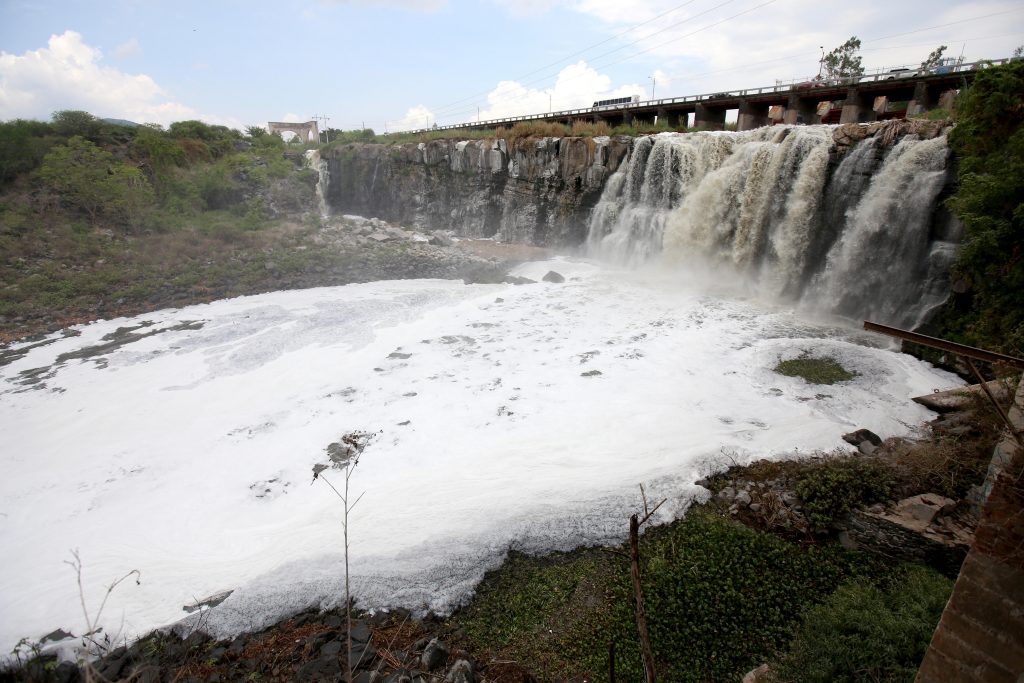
315	162
852	238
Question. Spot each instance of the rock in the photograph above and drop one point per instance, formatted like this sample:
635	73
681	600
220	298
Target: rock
727	494
66	672
846	540
917	512
55	635
516	280
439	239
755	507
552	276
591	373
322	669
761	674
866	447
332	649
360	632
743	498
435	654
363	654
400	676
461	672
381	237
790	499
860	436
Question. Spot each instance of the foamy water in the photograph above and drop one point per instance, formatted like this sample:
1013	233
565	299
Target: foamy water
188	454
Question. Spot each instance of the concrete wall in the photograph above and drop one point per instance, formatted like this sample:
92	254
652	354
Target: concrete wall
981	635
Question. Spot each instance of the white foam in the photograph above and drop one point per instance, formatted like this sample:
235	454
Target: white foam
189	455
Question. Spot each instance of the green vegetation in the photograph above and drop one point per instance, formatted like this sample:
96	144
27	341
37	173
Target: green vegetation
847	483
93	213
721	598
989	142
815	370
866	633
843	62
85	177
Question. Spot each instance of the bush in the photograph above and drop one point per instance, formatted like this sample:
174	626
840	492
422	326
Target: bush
23	144
832	489
989	139
863	633
87	178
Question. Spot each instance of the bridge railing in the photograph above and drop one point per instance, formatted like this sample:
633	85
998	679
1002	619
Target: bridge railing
779	87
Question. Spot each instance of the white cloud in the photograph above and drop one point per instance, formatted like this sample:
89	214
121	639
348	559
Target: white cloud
128	49
69	74
415	118
746	45
576	86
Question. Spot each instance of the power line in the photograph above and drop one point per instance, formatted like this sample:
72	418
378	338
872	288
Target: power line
449	115
575	54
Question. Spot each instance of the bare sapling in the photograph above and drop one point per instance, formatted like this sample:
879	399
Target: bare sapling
345	456
635	523
92	646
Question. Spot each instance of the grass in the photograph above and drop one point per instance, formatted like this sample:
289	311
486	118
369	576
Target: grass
721	598
815	370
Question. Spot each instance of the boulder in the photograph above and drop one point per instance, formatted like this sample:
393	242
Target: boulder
435	654
461	672
552	276
860	436
917	512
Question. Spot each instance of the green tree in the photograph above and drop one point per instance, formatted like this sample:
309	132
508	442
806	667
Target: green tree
71	122
933	59
88	178
255	131
843	62
989	141
23	144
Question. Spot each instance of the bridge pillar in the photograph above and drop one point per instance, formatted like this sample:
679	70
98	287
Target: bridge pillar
800	110
947	100
709	118
856	109
752	116
921	101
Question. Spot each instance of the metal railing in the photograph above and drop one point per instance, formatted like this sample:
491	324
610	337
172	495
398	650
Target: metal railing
779	87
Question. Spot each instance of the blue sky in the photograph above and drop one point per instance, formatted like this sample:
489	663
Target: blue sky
393	64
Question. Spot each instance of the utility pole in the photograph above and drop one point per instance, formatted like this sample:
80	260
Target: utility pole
653	82
322	119
821	62
549	104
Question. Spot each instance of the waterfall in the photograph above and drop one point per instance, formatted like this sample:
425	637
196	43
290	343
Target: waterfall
882	264
322	168
844	233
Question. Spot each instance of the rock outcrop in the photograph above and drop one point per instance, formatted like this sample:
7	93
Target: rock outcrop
529	190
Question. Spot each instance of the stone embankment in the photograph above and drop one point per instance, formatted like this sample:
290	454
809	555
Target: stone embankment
537	191
528	190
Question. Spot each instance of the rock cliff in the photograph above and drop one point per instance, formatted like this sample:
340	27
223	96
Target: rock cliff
529	190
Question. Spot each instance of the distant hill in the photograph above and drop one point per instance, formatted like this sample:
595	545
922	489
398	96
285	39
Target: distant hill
121	122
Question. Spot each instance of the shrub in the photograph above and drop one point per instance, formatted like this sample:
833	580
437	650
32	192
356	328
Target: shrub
989	140
87	178
72	122
863	633
23	144
835	487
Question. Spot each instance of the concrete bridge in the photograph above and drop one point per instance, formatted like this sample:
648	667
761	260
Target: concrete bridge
880	96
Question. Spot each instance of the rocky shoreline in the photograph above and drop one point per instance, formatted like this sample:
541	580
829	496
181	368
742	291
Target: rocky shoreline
342	250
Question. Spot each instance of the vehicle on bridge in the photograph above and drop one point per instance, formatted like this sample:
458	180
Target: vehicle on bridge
616	101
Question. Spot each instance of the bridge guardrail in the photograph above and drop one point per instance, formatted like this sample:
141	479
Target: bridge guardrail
692	99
